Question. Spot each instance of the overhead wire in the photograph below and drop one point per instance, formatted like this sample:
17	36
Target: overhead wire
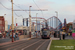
19	7
9	9
5	7
16	14
38	7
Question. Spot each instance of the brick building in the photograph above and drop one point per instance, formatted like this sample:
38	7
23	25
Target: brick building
2	23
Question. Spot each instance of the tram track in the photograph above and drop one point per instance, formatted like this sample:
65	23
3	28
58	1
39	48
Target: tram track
12	44
17	47
32	44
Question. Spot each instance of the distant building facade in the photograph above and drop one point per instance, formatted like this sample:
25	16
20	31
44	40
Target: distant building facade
69	24
74	24
9	27
2	23
38	25
6	25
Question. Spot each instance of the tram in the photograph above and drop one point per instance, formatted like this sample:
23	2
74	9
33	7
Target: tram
45	33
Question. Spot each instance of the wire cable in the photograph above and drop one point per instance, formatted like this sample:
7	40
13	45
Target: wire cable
16	14
5	7
38	7
19	7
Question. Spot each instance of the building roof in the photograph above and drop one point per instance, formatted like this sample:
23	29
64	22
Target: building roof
70	23
1	16
74	21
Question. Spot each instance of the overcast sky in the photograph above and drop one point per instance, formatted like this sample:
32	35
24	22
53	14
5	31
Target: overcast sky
65	9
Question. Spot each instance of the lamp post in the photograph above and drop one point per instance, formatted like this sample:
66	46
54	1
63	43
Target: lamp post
12	22
57	21
29	22
36	24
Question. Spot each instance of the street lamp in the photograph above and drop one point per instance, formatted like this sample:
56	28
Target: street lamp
29	22
57	21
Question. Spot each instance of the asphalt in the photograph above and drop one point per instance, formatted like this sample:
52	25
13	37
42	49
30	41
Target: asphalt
31	44
3	40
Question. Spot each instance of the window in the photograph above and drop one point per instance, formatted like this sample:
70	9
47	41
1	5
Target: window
74	24
0	21
0	27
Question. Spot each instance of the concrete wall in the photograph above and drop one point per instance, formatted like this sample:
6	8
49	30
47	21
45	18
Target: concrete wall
23	36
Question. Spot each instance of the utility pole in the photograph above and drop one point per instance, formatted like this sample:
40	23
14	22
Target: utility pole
12	22
36	25
30	17
29	22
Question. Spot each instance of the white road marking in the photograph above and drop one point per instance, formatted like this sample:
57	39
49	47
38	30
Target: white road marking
31	45
41	45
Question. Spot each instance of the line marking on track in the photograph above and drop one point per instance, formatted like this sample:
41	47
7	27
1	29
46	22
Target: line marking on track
11	44
16	46
31	45
41	45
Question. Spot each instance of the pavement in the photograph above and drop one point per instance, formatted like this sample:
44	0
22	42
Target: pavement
4	41
7	39
68	37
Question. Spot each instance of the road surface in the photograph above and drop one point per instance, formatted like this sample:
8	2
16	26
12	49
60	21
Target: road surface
32	44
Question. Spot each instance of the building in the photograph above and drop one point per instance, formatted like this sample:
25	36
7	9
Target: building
38	25
69	28
2	23
9	27
74	24
69	24
22	28
6	25
60	26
